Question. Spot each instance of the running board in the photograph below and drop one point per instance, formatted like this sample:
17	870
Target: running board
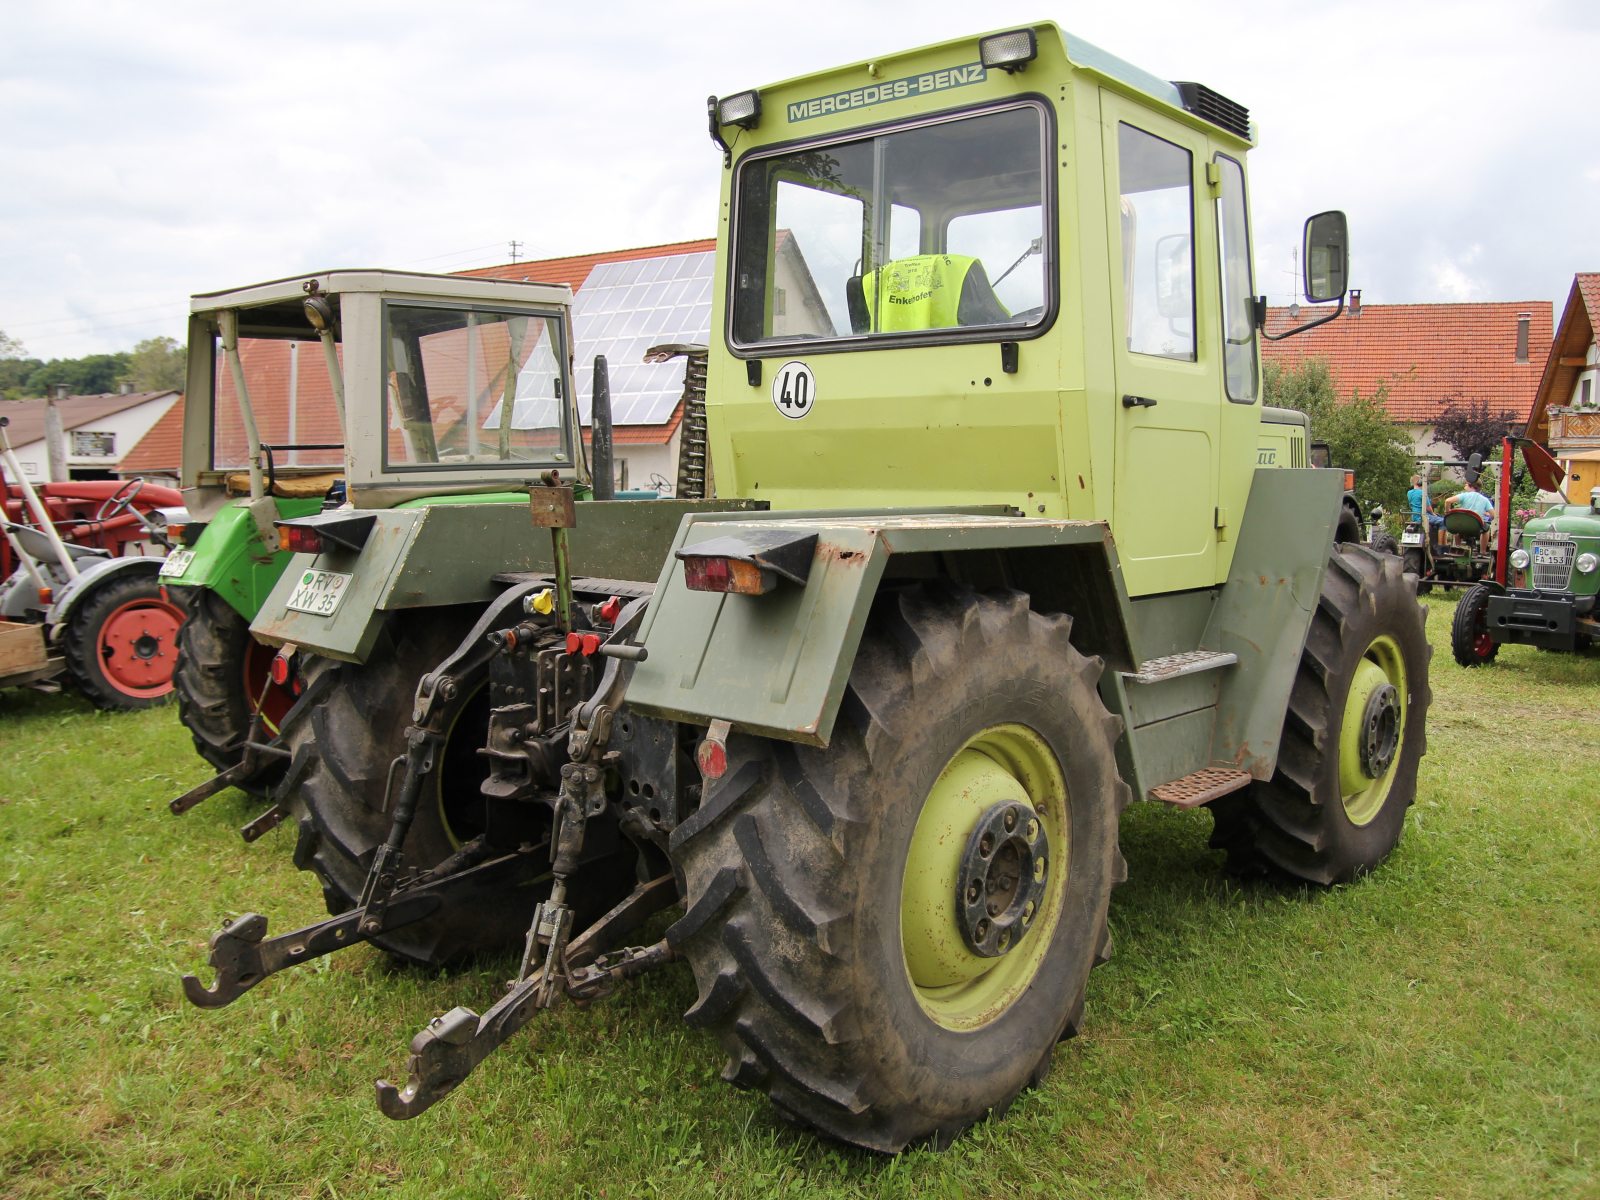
1190	662
1202	786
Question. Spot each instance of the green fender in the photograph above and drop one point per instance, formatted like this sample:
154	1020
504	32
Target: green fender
231	560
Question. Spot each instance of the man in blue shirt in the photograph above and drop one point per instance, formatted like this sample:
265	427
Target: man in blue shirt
1418	499
1479	503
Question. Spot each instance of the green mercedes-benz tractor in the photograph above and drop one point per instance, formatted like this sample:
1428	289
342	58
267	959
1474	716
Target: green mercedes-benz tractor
985	350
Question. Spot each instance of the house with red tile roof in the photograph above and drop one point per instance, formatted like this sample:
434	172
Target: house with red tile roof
1565	414
1430	355
102	430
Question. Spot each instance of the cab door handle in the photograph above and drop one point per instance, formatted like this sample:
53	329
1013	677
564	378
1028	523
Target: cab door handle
1138	402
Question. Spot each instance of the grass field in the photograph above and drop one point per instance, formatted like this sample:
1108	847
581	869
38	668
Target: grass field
1433	1031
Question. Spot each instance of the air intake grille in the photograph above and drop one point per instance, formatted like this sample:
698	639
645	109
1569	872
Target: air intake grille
1218	109
1553	556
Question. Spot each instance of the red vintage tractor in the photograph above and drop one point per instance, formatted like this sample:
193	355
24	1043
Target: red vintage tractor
80	559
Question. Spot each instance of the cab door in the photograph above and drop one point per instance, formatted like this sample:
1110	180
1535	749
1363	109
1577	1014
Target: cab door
1168	389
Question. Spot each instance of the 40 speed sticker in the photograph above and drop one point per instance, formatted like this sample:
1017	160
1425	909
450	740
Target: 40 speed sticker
794	390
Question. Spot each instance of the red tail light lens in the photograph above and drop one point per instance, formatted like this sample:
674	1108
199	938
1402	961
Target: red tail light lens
727	575
299	540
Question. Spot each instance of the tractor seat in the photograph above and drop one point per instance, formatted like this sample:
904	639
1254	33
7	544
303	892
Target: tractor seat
1464	522
37	545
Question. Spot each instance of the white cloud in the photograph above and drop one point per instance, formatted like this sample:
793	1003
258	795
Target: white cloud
179	148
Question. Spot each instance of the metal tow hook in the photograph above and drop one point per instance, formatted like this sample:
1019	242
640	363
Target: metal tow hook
452	1046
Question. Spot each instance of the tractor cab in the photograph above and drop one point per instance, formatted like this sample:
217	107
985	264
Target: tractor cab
1015	273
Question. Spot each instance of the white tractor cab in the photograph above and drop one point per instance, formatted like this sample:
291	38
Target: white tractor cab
323	395
444	352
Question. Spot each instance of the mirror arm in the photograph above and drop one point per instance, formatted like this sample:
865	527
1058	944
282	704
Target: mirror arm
1333	316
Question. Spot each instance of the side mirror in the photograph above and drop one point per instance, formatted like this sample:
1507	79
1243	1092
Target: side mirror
1173	292
1327	257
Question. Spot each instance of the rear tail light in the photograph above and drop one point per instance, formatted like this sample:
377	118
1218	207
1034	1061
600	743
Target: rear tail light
280	668
297	539
175	532
727	575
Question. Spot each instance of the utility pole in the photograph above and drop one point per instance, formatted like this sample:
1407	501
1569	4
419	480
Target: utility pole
516	250
55	436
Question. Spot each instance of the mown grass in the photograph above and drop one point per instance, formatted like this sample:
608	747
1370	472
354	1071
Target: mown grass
1431	1031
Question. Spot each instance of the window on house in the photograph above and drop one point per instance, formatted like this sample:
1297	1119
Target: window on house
93	445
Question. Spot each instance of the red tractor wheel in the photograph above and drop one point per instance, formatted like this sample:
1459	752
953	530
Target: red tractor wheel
120	643
1471	643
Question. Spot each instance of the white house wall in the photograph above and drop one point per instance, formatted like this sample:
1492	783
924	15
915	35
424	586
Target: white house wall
128	427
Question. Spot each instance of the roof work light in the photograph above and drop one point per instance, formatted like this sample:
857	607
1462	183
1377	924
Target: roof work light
742	109
1011	52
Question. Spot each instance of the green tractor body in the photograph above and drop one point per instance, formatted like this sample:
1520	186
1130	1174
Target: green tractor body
1004	539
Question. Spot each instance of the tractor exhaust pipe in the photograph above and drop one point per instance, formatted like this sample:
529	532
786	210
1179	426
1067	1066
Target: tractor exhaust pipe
600	422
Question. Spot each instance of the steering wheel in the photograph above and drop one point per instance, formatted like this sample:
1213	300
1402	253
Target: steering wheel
118	503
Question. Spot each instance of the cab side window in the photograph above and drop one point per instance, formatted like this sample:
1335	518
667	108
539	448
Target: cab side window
1238	288
1157	186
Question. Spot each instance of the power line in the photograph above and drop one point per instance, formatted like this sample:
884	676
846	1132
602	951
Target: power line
115	312
45	337
452	254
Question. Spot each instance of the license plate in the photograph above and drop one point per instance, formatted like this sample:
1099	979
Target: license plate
1411	539
176	563
318	592
1551	556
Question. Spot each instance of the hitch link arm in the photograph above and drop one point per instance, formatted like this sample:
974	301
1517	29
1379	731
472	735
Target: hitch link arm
384	876
243	955
451	1046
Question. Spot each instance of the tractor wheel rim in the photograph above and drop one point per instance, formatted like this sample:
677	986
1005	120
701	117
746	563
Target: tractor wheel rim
1377	693
1482	644
257	683
136	643
957	988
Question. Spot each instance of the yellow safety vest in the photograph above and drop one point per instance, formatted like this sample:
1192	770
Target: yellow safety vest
922	292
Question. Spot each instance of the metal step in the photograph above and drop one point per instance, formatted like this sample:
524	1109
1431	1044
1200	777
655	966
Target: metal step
1201	787
1159	670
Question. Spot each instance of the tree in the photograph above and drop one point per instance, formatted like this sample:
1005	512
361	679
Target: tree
1360	436
85	376
15	366
1472	427
158	365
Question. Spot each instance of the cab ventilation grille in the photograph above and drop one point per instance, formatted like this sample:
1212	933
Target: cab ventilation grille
1218	109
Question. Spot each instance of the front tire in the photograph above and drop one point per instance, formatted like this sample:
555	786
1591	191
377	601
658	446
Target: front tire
121	643
1335	806
1471	643
820	923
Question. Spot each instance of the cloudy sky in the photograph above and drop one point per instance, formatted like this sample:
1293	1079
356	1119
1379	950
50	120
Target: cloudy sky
153	150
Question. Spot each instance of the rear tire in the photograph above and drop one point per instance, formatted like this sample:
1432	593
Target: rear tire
1383	542
797	862
354	735
120	643
1322	818
218	679
1471	644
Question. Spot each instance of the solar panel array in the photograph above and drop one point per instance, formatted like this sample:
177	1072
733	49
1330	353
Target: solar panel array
622	310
